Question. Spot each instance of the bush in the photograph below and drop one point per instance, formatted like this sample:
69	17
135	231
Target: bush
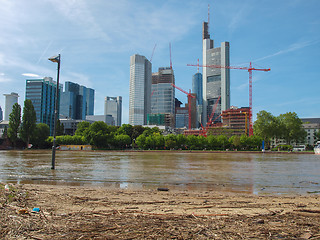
282	148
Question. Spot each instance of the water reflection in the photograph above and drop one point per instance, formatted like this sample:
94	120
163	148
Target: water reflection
233	172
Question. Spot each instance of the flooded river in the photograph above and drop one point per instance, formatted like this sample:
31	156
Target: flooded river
232	172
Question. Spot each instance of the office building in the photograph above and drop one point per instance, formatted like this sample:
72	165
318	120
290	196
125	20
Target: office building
10	100
216	81
42	93
4	125
197	89
163	95
76	101
182	117
140	90
1	114
70	125
108	119
311	126
113	107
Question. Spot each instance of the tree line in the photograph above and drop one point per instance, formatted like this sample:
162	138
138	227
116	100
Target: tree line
102	136
286	126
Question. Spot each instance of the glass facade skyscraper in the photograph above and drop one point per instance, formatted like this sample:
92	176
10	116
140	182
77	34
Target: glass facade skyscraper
197	87
42	93
1	114
216	81
76	101
163	95
113	107
140	90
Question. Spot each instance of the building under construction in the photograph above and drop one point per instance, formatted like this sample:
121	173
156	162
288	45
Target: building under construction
235	121
163	98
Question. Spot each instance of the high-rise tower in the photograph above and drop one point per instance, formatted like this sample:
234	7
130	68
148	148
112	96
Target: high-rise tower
1	114
11	99
76	101
216	81
42	93
163	96
140	90
113	107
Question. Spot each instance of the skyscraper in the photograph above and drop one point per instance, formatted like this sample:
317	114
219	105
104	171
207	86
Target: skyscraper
1	114
216	81
113	107
42	93
11	99
76	101
197	89
140	90
163	95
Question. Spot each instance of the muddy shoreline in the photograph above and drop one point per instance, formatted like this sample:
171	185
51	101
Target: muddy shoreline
68	212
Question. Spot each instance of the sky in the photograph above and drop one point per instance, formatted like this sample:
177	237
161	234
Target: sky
96	39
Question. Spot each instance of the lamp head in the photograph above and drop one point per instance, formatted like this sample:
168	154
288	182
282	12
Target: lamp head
55	59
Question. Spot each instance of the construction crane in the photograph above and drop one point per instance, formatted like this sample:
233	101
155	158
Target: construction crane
249	69
170	55
209	123
189	101
154	48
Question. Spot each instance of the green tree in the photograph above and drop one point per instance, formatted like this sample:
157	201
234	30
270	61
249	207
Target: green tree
83	130
159	141
181	141
41	133
125	129
100	135
140	141
14	123
267	126
223	142
60	128
170	141
292	127
212	142
235	141
122	140
137	131
29	120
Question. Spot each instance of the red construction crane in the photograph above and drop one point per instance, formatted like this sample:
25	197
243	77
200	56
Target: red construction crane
170	55
209	123
249	69
154	48
189	101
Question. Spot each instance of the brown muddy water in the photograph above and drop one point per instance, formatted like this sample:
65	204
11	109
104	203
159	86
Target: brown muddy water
231	172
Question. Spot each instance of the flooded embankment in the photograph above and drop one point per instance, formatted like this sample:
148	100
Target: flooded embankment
257	173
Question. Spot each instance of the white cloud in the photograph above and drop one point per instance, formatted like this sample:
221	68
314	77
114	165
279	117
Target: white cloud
30	75
4	78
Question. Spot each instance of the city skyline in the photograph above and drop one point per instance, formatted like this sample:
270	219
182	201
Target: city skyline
96	40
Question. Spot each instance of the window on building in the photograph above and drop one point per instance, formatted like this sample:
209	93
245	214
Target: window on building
214	78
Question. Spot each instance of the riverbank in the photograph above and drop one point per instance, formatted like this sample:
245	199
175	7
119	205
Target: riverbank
111	213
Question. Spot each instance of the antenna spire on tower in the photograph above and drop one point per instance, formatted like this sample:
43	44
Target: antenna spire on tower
208	15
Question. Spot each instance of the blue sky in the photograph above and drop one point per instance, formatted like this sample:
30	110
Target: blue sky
96	39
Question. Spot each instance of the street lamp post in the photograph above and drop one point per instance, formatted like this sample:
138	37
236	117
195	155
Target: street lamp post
57	60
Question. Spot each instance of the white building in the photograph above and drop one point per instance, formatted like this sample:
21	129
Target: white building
113	107
11	99
311	126
140	90
216	81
